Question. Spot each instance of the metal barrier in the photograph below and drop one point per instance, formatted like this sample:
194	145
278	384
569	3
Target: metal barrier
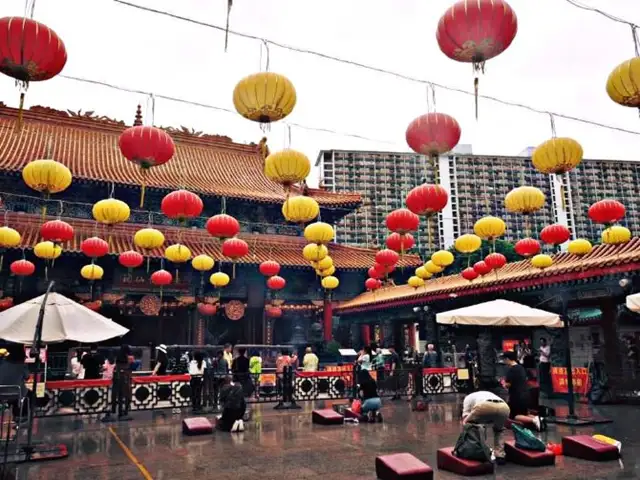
13	408
73	397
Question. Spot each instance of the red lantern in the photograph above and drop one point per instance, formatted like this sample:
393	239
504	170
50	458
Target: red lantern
433	134
235	248
372	284
402	221
147	147
94	247
56	231
223	226
387	258
273	311
495	261
161	278
276	283
469	274
207	309
481	268
400	243
269	268
427	199
555	234
607	211
527	247
376	274
130	259
476	31
29	52
181	204
22	268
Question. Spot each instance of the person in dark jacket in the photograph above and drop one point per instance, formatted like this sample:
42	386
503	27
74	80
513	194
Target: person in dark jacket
121	389
371	403
233	407
92	363
240	369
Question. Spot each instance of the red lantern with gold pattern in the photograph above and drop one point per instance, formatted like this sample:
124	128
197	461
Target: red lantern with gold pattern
481	268
222	226
207	309
22	268
56	231
402	221
607	211
427	199
130	259
94	247
474	31
387	258
148	147
469	274
269	268
181	205
527	247
495	261
433	134
555	234
276	283
400	243
372	284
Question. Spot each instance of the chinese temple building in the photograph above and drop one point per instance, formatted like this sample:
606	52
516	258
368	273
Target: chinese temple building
228	177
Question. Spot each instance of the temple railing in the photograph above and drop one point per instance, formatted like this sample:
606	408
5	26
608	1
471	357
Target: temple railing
82	397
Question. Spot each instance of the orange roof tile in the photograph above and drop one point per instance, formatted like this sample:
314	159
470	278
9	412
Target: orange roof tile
88	145
286	250
603	260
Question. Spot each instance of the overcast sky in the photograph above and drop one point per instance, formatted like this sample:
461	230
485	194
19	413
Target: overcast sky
560	61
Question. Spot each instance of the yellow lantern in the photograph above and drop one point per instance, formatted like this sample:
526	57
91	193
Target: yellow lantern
490	228
423	273
300	209
47	250
442	258
314	252
579	247
177	253
432	268
330	283
616	235
287	167
623	86
319	232
111	211
92	272
467	243
558	155
148	238
542	261
9	238
326	262
524	200
219	279
47	176
264	97
327	272
202	263
415	282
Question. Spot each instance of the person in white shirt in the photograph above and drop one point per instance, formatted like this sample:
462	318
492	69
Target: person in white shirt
364	360
484	408
197	367
545	366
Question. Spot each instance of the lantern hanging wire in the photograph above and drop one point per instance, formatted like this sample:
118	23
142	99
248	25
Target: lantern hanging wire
226	31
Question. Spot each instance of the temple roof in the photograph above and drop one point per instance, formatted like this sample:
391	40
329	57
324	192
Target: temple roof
603	260
286	250
88	145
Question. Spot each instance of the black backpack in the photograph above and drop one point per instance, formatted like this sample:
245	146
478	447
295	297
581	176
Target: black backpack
471	444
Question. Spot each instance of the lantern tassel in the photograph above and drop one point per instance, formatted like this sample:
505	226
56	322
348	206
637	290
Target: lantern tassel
226	31
148	263
20	121
233	270
476	85
143	186
177	276
1	261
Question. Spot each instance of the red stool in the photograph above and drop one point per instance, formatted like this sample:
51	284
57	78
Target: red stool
326	416
468	468
528	458
586	448
402	466
196	426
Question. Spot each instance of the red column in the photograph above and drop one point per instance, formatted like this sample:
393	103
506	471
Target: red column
366	334
411	328
328	320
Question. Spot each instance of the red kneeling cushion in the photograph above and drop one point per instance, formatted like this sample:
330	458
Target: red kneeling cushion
196	426
326	417
528	458
586	448
469	468
402	465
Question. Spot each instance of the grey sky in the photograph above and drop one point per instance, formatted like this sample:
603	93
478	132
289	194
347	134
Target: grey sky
559	61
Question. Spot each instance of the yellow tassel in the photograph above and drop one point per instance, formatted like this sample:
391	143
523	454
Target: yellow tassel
20	113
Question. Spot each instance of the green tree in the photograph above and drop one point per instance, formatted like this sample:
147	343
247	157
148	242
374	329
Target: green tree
462	261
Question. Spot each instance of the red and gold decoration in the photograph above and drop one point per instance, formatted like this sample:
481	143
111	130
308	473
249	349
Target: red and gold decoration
542	261
579	247
29	52
234	310
46	177
287	167
22	268
130	259
495	261
524	200
148	239
616	235
527	247
401	222
161	278
622	85
469	274
607	212
555	234
372	284
94	247
482	268
433	134
147	147
111	211
56	231
150	305
476	31
490	228
276	283
427	200
222	226
92	272
387	258
181	205
264	97
269	268
9	238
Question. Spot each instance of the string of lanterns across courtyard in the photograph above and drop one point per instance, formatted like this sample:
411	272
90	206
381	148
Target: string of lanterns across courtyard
267	97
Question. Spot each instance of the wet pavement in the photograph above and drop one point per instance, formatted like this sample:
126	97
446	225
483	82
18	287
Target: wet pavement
285	445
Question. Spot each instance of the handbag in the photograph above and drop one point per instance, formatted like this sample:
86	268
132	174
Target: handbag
526	440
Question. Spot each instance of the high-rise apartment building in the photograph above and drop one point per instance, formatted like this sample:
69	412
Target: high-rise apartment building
477	186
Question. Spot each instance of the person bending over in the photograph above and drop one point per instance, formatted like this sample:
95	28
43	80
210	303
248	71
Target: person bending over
233	407
516	382
483	408
371	403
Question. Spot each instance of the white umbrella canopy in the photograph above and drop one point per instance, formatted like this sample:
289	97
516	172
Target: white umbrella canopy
500	313
633	302
64	320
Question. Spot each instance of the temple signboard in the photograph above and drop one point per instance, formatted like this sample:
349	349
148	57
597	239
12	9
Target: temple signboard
138	281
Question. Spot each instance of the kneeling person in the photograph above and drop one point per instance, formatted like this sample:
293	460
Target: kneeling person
484	408
371	403
233	407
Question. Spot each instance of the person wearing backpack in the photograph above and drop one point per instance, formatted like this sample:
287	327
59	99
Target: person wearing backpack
479	409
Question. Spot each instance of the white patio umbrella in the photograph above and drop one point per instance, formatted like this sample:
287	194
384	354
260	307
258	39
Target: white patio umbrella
633	302
63	320
500	313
